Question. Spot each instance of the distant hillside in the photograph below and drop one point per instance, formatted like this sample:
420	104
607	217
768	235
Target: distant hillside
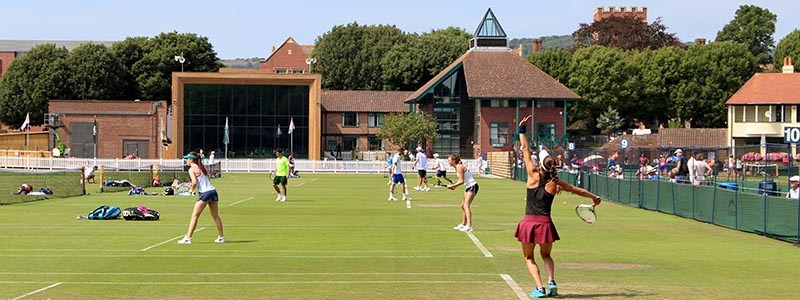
242	63
553	41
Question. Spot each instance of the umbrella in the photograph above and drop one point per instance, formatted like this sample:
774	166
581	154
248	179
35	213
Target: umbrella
591	158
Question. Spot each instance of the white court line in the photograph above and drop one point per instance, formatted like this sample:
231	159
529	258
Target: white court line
310	181
478	244
169	240
240	251
240	201
270	282
39	290
515	287
243	256
246	274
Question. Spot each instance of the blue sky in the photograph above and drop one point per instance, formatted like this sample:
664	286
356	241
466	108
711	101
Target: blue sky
241	28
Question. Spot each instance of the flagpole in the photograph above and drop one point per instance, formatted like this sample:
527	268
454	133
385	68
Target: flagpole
94	132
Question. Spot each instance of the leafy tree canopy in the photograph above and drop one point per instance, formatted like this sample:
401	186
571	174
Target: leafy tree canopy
408	65
754	27
95	73
404	129
31	81
350	56
625	32
788	46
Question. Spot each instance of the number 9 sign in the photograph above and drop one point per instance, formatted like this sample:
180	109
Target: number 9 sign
623	144
791	135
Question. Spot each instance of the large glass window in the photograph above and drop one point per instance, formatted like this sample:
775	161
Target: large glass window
350	119
498	134
258	119
349	143
375	119
375	143
447	117
446	143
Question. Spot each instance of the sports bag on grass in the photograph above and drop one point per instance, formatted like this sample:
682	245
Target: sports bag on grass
104	212
140	213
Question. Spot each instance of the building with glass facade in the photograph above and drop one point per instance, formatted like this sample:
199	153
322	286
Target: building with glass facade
258	106
479	97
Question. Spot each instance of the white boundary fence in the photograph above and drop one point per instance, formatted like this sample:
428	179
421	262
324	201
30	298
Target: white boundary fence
230	165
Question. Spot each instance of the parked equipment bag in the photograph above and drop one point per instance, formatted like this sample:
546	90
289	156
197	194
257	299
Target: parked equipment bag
140	213
104	212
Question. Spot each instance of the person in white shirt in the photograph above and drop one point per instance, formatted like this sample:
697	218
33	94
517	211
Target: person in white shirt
464	178
421	164
691	164
794	191
207	197
701	170
441	170
397	176
88	175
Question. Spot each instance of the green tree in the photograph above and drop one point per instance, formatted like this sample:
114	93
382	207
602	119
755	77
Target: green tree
153	71
555	62
603	77
130	51
754	27
404	129
409	65
659	72
609	121
95	73
625	32
31	81
350	56
788	46
711	75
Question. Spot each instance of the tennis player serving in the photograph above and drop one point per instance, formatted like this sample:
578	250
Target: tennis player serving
537	227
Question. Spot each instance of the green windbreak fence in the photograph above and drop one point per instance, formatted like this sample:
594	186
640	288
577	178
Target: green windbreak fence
766	215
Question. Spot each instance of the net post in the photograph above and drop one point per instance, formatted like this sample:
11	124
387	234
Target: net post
102	177
83	180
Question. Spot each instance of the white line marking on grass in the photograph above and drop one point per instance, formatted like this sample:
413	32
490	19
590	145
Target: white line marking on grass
242	251
246	256
240	201
244	274
478	244
515	287
169	240
310	181
39	290
271	282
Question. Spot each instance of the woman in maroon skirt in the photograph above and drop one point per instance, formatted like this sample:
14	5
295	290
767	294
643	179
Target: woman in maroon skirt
537	228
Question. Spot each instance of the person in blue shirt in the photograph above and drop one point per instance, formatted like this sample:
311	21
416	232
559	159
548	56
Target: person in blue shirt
389	166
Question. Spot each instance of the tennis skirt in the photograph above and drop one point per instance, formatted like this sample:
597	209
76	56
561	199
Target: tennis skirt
536	229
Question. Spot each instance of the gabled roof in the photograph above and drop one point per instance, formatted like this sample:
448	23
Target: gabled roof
290	41
501	74
768	88
364	101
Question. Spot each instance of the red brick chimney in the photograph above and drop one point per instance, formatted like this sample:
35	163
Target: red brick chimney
536	45
788	67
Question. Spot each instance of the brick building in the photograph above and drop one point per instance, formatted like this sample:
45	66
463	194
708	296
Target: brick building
11	49
288	58
352	119
622	11
123	127
479	97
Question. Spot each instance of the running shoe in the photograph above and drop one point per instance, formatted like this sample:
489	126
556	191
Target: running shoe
185	241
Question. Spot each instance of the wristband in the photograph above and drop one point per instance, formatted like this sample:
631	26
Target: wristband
522	129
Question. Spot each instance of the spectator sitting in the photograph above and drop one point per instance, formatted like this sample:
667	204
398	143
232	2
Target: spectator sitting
794	191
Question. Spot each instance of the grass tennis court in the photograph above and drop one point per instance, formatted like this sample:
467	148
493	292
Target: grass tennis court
338	238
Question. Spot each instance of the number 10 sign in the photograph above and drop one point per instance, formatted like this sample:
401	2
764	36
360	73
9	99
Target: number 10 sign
791	135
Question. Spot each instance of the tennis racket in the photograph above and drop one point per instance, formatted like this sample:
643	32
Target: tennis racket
586	213
271	175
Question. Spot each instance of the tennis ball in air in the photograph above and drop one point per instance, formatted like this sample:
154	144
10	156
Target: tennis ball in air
565	202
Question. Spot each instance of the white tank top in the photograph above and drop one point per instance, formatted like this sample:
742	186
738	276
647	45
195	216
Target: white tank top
203	184
396	161
469	181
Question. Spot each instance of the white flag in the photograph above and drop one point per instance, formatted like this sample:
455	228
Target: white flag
26	123
279	130
291	126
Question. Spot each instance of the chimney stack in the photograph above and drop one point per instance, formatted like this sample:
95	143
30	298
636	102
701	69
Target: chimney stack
699	41
536	45
788	67
273	49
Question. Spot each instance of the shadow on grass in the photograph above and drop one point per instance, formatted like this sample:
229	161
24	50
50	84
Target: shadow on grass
625	294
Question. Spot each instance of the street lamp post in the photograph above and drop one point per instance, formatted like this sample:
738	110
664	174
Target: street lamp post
180	59
309	62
